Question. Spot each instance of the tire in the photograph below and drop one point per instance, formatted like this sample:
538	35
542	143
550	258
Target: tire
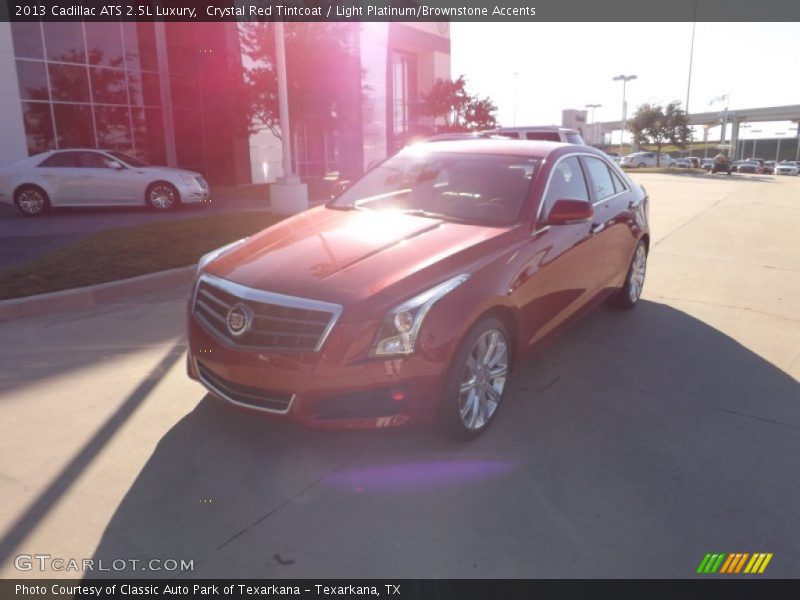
162	196
476	382
31	200
641	165
628	295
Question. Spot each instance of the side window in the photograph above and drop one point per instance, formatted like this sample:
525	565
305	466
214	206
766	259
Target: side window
62	160
94	160
545	136
566	182
509	134
600	178
619	186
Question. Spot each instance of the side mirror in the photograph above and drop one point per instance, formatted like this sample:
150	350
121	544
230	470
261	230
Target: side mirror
567	211
115	165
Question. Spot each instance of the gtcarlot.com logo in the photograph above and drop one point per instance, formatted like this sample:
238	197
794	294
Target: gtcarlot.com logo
735	563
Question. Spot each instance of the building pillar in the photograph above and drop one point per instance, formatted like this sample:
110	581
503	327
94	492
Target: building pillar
734	137
166	93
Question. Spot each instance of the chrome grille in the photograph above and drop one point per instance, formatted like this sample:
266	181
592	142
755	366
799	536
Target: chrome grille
280	322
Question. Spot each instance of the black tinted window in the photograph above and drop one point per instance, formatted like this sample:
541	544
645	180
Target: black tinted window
566	183
63	159
544	136
94	160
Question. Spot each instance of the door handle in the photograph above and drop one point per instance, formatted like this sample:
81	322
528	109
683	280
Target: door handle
597	228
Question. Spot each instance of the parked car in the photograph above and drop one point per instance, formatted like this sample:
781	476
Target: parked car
549	133
761	167
722	164
749	166
786	167
409	297
707	163
690	162
646	159
88	177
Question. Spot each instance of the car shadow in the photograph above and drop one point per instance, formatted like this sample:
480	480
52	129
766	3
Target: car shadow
629	447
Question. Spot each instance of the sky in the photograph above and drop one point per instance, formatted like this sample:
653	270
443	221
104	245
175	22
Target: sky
570	65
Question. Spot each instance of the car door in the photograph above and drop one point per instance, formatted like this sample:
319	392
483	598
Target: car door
101	184
558	273
60	173
613	215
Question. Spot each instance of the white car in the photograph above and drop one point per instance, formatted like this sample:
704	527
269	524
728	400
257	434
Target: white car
547	133
786	167
89	177
646	159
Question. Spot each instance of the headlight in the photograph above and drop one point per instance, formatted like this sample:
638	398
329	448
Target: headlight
214	254
188	180
400	327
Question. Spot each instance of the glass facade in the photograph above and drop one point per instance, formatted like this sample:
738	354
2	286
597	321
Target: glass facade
98	85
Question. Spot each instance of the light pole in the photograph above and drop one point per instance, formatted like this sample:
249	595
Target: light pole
742	126
624	79
755	141
778	151
594	125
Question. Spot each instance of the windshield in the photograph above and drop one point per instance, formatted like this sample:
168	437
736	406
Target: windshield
481	188
127	158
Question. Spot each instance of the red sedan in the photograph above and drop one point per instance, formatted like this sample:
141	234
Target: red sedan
410	297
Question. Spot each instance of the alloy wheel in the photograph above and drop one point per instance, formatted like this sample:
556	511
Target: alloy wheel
483	380
162	196
31	201
638	271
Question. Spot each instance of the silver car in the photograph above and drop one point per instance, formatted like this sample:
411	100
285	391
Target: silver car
89	177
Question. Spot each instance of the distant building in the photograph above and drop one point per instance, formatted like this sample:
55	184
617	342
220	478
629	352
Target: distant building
154	89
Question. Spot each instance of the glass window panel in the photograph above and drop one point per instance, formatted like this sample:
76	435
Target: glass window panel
113	128
64	41
144	88
32	78
38	127
109	86
148	134
185	91
68	83
63	160
27	40
601	179
189	138
566	183
140	46
104	44
182	50
74	125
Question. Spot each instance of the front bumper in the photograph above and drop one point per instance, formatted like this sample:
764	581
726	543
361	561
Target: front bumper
193	194
332	388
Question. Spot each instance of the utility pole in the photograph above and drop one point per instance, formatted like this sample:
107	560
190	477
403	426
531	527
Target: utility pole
624	79
594	125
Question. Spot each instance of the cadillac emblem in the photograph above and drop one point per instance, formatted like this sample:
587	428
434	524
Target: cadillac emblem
239	319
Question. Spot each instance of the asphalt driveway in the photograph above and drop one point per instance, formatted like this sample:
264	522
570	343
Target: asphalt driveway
630	447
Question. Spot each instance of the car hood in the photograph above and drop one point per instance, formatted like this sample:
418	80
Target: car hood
350	256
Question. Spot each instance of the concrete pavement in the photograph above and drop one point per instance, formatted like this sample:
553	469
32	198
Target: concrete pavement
630	447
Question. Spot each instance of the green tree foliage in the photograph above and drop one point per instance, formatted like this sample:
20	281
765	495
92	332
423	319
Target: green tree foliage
461	111
323	73
658	126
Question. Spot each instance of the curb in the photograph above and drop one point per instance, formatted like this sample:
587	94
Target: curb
93	295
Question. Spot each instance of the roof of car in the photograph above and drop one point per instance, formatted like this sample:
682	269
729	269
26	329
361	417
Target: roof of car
534	149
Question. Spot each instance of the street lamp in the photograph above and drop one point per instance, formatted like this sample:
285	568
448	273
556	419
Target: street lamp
742	126
778	151
624	79
593	124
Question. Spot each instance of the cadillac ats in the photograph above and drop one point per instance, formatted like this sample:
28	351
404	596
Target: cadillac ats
410	297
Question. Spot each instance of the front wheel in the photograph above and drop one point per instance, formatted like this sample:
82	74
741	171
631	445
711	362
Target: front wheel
476	382
31	201
162	196
628	295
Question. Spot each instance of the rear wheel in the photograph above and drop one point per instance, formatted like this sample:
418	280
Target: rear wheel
641	165
628	295
162	196
31	201
476	382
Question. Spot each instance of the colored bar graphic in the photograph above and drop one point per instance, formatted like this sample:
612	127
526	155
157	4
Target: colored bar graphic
765	563
717	563
727	564
754	562
734	560
703	563
741	563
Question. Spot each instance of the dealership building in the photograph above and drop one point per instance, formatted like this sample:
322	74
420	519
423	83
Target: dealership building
157	90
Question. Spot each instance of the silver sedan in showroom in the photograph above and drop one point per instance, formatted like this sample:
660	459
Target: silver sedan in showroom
89	177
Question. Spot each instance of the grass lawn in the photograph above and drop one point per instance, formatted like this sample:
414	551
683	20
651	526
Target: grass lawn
129	251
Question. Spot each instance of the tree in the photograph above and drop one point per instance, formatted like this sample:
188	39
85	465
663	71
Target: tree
658	126
323	76
461	111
